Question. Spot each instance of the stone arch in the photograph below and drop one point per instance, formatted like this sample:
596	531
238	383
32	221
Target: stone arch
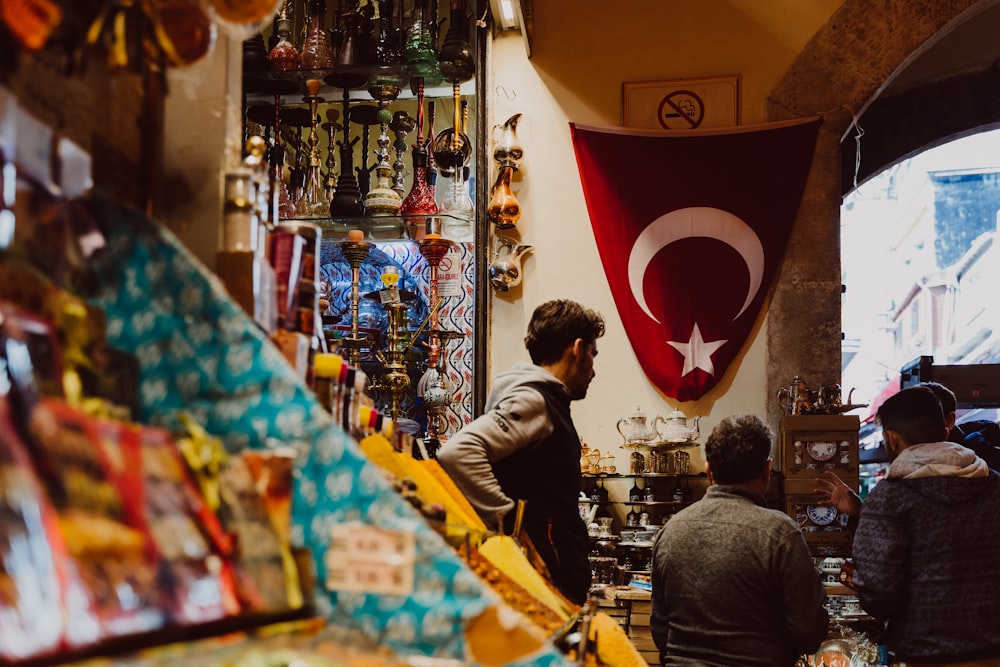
837	75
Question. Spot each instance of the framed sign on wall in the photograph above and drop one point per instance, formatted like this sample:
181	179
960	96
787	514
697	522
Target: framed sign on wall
682	104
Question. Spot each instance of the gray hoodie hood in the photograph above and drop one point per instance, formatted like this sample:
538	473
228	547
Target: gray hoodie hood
518	374
944	471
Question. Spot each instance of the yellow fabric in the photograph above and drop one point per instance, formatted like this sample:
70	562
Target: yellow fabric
506	555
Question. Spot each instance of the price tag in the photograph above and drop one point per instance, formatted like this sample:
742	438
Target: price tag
367	559
389	295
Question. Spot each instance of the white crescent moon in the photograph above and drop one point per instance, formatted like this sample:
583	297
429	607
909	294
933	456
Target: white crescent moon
693	222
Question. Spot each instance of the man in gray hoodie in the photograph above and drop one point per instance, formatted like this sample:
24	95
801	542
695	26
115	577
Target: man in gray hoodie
927	548
525	447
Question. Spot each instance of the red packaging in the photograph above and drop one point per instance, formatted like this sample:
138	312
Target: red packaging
114	557
43	606
194	551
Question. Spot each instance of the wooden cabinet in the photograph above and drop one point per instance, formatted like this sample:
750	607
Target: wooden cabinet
809	446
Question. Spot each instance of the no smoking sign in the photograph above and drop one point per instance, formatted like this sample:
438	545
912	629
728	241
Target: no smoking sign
681	110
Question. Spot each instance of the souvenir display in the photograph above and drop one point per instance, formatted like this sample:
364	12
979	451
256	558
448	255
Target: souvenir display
44	607
116	560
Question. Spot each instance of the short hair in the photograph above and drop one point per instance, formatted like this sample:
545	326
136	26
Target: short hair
738	448
915	415
555	325
947	397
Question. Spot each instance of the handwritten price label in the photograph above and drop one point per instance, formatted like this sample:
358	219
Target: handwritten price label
367	559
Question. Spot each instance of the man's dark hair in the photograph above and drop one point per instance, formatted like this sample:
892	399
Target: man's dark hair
555	325
914	414
947	397
737	449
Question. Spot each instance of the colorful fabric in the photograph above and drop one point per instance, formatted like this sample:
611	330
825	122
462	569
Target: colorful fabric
691	227
199	352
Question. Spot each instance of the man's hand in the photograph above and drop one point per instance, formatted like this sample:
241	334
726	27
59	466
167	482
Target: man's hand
837	494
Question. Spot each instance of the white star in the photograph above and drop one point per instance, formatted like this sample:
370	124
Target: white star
697	353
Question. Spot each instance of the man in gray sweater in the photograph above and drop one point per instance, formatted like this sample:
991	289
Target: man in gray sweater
525	447
733	582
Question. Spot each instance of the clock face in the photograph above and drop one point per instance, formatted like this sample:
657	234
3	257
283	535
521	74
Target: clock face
821	451
821	516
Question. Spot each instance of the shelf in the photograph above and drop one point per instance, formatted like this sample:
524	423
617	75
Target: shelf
647	503
360	79
643	475
376	227
677	444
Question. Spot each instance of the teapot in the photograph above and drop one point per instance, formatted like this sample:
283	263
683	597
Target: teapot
797	398
677	429
505	269
636	431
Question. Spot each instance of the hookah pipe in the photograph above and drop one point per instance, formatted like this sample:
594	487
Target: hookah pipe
331	126
355	251
432	387
401	125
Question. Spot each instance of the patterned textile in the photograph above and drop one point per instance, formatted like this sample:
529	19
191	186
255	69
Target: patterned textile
199	352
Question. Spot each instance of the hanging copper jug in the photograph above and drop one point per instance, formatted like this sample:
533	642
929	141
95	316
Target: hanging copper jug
504	210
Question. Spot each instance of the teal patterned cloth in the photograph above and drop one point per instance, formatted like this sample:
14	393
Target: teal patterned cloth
199	352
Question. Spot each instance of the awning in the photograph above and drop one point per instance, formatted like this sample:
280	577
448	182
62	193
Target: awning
888	389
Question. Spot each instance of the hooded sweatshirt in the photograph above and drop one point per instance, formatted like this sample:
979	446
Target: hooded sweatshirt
927	555
525	446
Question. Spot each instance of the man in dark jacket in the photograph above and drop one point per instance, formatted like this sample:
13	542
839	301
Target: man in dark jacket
525	445
926	548
981	436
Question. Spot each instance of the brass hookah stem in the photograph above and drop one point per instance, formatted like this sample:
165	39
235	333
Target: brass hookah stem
456	138
434	351
355	252
313	87
465	117
331	160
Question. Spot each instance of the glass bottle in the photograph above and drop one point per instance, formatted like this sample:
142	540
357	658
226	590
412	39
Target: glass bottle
418	52
286	207
635	493
316	50
632	518
385	47
458	62
419	200
284	56
649	495
382	199
313	202
458	204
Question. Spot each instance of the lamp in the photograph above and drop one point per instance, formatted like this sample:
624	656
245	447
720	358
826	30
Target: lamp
507	14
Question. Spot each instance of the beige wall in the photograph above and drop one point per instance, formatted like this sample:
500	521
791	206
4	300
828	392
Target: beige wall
576	74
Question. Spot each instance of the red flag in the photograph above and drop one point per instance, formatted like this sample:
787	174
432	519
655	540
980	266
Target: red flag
691	227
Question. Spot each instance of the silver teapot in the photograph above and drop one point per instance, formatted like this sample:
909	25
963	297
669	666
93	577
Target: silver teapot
677	428
505	270
636	431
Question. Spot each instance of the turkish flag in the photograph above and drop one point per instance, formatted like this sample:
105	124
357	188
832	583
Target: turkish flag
691	227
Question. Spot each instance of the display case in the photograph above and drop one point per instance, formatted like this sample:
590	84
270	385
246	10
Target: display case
625	511
378	145
813	444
